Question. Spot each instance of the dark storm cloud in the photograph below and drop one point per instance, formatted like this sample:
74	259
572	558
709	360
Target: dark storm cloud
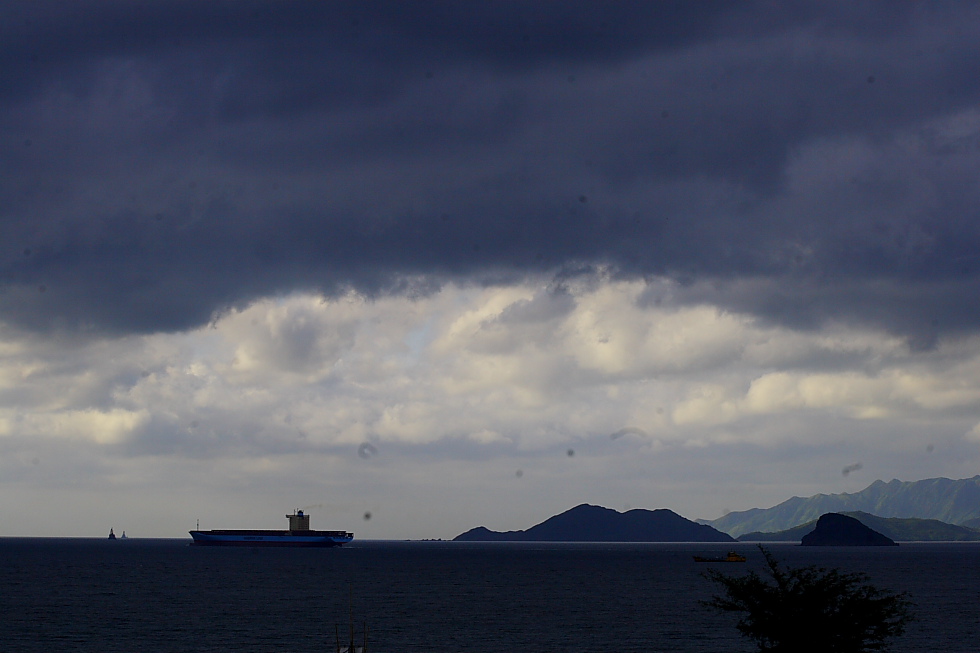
806	162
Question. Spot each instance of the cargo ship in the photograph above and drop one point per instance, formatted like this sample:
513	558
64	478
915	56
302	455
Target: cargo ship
298	535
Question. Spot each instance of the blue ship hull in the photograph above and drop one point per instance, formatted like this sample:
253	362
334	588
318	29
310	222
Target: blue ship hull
271	538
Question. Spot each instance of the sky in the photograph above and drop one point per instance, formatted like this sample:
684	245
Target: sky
420	267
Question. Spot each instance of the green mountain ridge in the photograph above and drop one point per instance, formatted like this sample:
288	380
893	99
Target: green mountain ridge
951	501
896	528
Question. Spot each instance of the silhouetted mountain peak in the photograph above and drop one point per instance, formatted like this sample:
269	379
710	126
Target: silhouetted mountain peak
834	529
589	523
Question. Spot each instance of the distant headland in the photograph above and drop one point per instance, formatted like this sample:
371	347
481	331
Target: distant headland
895	528
588	523
949	501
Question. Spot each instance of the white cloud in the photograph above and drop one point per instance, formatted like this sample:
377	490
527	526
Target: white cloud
509	378
100	427
467	363
974	433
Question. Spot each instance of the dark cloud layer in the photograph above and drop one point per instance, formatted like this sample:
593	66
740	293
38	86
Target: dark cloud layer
805	162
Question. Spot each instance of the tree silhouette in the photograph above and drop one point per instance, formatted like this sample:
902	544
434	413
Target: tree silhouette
811	609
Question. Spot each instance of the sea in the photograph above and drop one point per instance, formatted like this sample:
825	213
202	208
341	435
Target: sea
160	595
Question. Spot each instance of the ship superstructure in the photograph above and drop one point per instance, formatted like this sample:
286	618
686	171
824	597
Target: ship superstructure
299	534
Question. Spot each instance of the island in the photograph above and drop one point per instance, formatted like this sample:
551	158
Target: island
835	529
899	529
588	523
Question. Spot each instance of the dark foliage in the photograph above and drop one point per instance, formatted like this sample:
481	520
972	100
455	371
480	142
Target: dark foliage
811	609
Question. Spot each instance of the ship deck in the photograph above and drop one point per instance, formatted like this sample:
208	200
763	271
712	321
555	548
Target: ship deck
275	533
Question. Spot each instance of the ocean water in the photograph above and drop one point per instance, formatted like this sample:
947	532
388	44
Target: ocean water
439	597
